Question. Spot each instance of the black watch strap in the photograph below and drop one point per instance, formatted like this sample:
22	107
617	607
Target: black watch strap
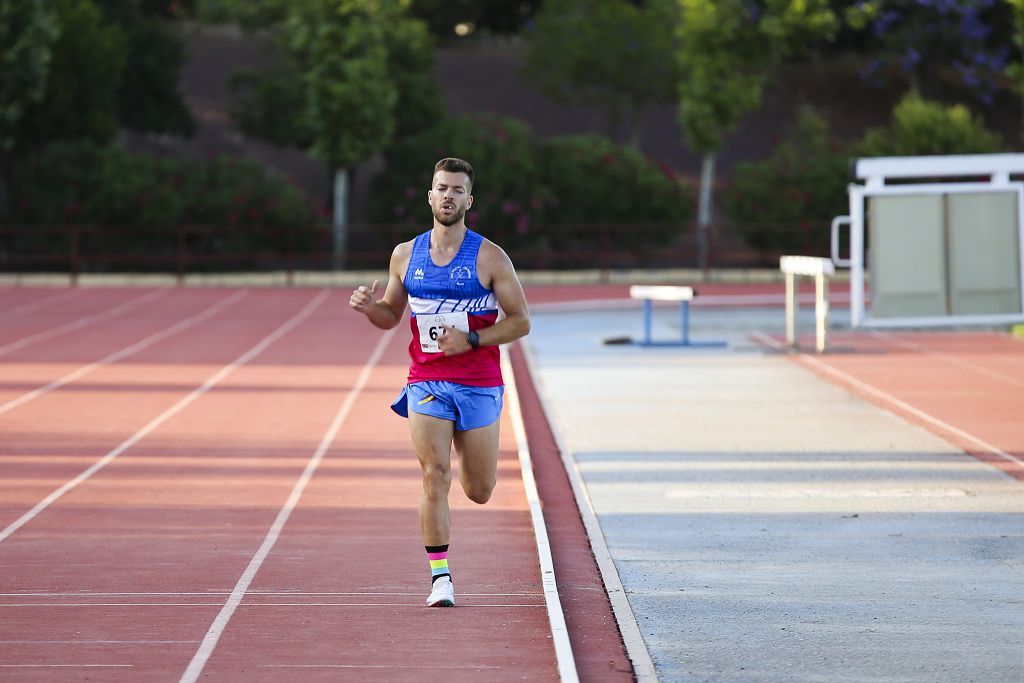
473	338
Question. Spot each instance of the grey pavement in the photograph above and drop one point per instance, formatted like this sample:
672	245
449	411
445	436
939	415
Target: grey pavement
768	525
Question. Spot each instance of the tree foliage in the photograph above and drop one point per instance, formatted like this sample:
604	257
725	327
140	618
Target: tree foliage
727	49
81	98
783	202
944	48
148	100
920	127
28	31
353	75
613	54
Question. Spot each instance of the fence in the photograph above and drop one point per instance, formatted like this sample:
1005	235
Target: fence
187	249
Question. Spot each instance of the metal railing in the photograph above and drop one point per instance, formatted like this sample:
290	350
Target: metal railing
183	250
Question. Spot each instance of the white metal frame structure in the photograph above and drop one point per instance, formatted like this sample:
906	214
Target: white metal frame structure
876	172
820	269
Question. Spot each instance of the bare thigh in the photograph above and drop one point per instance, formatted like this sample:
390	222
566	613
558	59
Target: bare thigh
478	460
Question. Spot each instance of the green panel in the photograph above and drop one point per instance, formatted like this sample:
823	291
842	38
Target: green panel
984	253
907	247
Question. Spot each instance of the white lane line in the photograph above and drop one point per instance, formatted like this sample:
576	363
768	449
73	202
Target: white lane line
40	303
87	641
166	415
286	594
66	666
636	648
125	352
82	322
889	399
559	631
921	348
202	655
471	667
402	604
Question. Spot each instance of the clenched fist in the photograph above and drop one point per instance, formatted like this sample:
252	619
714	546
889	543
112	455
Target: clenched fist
363	297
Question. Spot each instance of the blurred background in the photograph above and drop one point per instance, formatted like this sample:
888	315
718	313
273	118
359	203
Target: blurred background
191	136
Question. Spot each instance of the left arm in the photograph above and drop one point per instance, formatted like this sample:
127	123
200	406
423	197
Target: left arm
495	265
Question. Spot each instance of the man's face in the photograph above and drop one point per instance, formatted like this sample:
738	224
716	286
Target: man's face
450	197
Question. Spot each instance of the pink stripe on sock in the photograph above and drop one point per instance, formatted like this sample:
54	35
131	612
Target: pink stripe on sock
437	556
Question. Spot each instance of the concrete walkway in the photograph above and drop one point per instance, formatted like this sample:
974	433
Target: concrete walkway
768	525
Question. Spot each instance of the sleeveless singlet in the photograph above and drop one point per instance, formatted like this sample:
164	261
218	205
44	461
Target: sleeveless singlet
450	295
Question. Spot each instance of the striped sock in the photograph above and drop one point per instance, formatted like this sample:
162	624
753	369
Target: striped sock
438	556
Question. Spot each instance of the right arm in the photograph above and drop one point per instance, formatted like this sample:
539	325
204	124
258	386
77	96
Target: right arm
387	311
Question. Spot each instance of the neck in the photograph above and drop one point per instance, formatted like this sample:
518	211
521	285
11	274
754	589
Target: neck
447	235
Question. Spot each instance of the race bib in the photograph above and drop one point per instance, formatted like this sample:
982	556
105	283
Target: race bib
432	327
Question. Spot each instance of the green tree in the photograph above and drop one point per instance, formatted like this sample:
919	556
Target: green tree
81	98
28	31
780	204
354	75
148	100
1016	70
727	51
612	54
920	127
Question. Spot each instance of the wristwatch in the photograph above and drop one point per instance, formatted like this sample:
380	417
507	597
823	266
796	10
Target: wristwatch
473	338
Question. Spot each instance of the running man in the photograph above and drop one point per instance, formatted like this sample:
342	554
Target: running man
454	281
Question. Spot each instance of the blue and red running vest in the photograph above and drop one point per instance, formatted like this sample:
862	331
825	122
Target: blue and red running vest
451	289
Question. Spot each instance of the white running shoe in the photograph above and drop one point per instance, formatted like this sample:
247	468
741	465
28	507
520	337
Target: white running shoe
442	593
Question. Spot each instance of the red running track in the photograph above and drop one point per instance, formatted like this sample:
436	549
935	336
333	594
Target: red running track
209	483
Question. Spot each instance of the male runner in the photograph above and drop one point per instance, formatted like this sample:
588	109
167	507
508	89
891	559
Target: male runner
454	281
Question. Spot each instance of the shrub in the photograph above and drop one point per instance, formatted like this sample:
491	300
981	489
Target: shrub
138	202
786	202
526	186
504	160
920	127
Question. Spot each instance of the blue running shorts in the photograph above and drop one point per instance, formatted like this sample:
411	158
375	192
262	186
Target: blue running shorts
468	407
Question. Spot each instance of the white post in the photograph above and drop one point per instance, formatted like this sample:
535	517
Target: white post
820	311
791	309
856	256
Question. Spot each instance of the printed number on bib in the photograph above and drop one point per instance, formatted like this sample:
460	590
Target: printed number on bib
432	327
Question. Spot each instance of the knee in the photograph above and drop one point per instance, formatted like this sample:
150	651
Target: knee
436	480
479	492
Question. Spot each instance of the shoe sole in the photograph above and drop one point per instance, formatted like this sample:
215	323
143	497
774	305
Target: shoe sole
442	603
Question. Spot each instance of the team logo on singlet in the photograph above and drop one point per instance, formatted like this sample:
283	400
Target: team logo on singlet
460	273
417	274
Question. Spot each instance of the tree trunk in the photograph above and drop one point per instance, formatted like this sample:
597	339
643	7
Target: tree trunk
707	179
340	217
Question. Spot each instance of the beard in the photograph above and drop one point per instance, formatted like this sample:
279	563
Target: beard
451	219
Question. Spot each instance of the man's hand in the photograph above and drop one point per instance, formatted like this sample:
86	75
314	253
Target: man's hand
453	341
363	297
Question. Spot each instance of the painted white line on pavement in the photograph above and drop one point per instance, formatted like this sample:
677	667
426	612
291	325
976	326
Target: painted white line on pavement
202	655
891	400
164	416
82	322
636	648
125	352
40	303
559	632
921	348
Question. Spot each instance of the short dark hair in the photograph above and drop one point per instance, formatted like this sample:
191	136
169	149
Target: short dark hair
453	165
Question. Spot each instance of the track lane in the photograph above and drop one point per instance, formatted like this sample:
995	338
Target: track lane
153	542
56	438
359	605
45	377
52	323
182	529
